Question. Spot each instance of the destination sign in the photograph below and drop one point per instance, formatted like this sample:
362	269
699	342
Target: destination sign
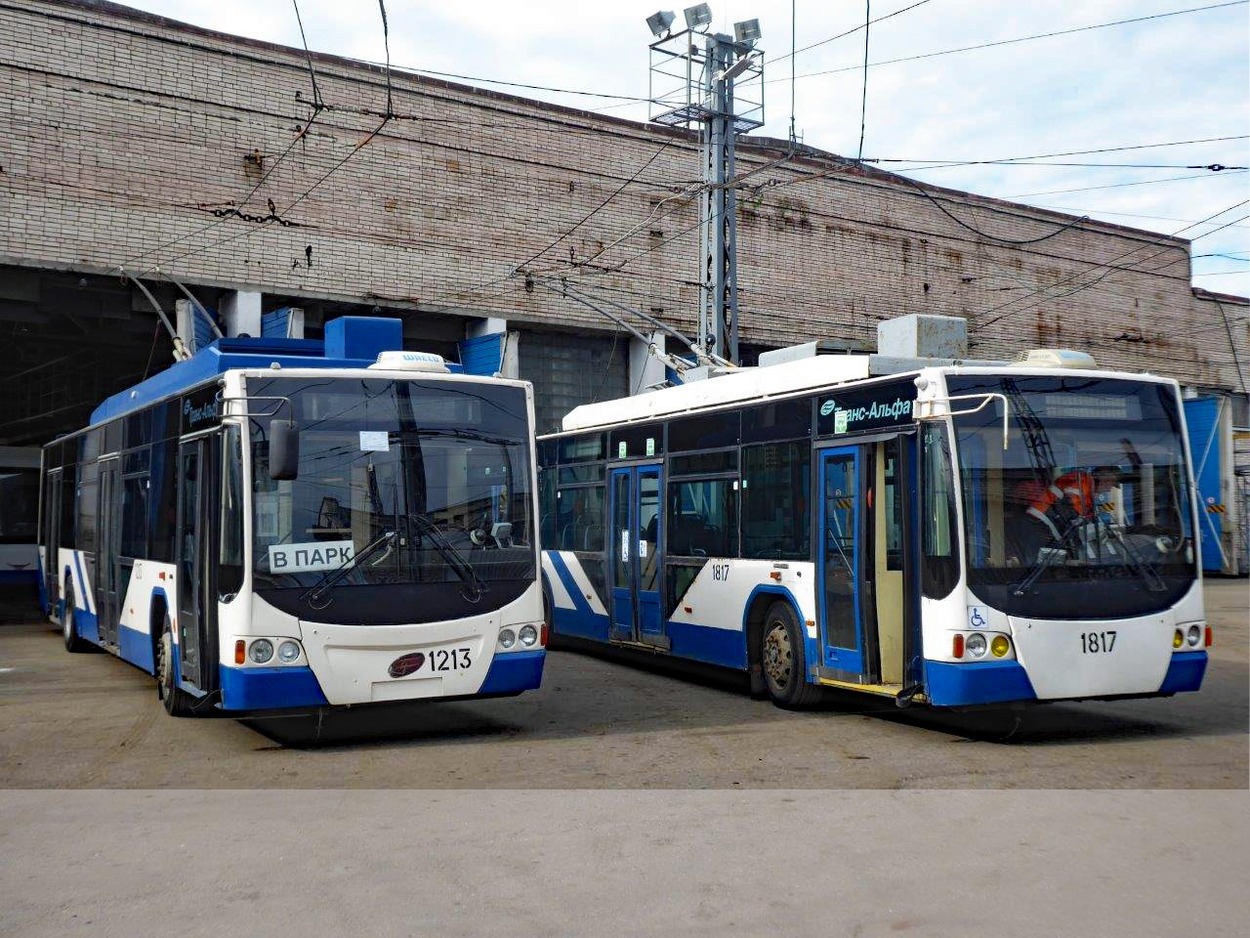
311	557
853	410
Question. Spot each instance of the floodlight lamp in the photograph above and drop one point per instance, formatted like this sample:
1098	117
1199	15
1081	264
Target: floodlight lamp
698	15
661	23
747	31
737	68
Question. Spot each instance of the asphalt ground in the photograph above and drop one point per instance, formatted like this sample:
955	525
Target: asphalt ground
620	799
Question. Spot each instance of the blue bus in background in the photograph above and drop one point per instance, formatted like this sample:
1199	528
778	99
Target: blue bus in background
19	516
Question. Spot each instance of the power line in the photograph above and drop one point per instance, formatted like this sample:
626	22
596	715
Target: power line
386	45
1018	39
312	75
1001	161
1109	270
517	84
1111	214
863	104
597	208
963	224
849	32
1114	185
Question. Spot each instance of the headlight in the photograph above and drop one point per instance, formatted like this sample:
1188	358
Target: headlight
975	644
1000	646
507	638
1194	635
1178	639
260	650
288	652
529	635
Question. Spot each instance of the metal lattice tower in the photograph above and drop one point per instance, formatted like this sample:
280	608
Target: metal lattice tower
717	82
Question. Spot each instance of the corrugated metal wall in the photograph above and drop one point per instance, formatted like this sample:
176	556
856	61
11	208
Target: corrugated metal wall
568	370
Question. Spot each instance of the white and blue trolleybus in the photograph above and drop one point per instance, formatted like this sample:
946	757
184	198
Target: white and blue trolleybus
283	524
952	535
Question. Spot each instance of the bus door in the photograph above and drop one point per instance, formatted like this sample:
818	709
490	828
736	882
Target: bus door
841	556
50	537
107	598
866	622
634	556
197	461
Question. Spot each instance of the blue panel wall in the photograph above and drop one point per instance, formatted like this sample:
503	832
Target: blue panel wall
483	355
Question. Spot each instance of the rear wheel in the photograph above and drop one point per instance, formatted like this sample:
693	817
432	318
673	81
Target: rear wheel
177	701
69	629
783	661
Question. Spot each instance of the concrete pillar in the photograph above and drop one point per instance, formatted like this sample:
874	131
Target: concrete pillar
184	322
240	313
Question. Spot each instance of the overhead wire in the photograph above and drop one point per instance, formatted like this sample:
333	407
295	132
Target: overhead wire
598	208
863	104
1021	160
849	32
265	175
1109	269
1114	185
1006	42
983	234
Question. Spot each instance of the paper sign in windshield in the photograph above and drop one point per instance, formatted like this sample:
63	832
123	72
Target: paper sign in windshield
309	558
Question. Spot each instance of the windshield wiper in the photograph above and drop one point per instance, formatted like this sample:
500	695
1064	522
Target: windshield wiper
321	589
1048	555
474	587
1142	568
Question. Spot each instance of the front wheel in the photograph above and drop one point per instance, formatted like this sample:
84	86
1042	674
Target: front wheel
74	643
177	701
783	661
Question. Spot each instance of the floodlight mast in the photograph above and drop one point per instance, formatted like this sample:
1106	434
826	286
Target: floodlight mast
715	65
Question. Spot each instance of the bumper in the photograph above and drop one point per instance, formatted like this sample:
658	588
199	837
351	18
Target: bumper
246	689
270	689
971	684
514	672
1185	673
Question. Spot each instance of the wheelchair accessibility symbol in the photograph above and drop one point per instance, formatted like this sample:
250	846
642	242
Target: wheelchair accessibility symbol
975	619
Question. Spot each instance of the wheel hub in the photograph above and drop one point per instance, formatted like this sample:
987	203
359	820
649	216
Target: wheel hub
778	656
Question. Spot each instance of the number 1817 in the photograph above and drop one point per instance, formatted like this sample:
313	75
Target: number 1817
1094	643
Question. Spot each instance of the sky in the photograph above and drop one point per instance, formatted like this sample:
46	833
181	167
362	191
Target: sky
1163	97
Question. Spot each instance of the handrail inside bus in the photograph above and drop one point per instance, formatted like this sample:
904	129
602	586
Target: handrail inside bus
926	412
258	397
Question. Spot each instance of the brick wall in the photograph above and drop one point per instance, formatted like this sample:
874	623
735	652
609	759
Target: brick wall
124	133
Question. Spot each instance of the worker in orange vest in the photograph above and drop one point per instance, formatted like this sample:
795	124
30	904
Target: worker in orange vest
1073	494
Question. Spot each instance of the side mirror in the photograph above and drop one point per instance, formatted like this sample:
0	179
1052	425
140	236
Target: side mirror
283	450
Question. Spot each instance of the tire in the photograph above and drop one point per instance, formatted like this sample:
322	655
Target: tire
178	703
74	644
783	660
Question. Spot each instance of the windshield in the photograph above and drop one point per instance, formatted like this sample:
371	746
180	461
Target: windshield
1088	511
419	486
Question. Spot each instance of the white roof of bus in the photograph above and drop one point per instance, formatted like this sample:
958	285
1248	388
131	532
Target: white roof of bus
748	384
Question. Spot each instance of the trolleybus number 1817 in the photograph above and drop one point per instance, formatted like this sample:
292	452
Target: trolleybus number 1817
1093	643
